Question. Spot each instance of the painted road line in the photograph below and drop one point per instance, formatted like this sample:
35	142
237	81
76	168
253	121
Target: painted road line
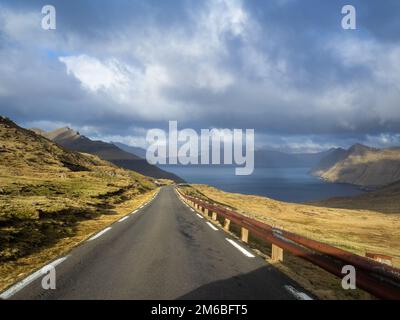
29	279
298	294
123	219
133	212
200	216
240	248
100	234
212	226
191	209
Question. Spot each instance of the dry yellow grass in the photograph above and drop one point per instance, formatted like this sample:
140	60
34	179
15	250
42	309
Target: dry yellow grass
385	200
357	231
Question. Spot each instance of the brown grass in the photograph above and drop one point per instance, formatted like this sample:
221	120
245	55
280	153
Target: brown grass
358	231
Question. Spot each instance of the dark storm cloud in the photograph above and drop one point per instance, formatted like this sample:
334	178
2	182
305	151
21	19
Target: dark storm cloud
284	67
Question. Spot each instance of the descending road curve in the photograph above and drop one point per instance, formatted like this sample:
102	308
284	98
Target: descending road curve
163	251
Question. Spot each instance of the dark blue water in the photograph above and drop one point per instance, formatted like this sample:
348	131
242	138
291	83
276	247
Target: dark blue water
286	184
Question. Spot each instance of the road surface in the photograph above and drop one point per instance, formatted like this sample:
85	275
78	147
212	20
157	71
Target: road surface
163	251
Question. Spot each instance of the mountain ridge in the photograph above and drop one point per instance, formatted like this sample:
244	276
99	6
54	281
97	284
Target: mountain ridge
73	140
361	165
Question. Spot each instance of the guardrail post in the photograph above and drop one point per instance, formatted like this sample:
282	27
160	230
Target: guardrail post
227	224
205	211
277	253
214	216
385	259
245	235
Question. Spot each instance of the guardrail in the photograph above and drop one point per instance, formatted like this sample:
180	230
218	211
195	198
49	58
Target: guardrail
376	278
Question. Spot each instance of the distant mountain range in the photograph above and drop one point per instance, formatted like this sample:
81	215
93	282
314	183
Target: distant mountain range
134	150
117	151
277	159
268	159
360	165
73	140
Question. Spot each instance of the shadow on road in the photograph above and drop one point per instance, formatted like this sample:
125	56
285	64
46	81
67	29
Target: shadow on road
262	284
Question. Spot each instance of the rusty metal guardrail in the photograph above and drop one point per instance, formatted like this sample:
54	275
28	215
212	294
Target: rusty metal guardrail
380	280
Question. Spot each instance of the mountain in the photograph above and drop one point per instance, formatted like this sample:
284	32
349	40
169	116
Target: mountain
277	159
329	160
24	150
263	158
73	140
46	190
361	165
134	150
38	131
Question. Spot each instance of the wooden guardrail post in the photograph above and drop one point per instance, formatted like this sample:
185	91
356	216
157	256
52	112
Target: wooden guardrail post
277	253
205	211
214	216
227	224
385	259
245	235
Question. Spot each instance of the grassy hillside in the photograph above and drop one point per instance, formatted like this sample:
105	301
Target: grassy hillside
72	140
357	231
49	195
362	166
385	200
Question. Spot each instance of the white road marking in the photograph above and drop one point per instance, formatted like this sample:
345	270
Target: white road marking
123	219
298	294
241	249
200	216
191	209
100	234
212	226
29	279
134	212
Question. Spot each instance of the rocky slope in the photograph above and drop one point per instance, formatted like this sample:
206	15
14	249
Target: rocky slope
361	165
46	191
73	140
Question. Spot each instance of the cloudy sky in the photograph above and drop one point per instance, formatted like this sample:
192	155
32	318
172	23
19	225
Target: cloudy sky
286	68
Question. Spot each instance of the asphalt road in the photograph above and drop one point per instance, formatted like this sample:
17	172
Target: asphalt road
163	251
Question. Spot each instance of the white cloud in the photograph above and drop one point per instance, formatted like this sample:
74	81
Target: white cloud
18	25
164	62
377	93
95	75
383	140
